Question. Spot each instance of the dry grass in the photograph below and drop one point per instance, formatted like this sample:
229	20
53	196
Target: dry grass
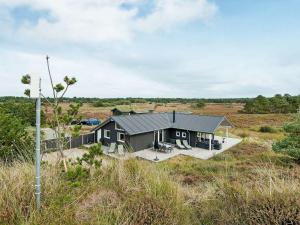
231	110
183	190
248	184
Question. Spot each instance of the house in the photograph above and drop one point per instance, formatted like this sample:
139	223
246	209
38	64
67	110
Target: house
140	131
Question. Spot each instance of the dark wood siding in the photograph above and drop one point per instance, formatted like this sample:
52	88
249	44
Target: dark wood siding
191	136
145	140
141	141
113	134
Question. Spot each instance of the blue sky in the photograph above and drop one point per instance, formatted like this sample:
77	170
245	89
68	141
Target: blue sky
154	48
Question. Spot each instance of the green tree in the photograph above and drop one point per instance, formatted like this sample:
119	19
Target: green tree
279	104
15	142
291	144
61	120
25	111
199	104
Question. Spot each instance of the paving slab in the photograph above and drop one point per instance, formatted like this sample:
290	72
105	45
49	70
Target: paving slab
200	153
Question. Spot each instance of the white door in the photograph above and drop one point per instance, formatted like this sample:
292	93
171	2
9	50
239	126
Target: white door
99	135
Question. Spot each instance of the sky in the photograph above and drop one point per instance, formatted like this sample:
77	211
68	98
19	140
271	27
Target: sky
153	48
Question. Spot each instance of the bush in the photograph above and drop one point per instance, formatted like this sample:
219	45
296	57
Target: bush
244	134
76	175
90	157
99	104
276	104
24	111
15	142
290	145
199	105
267	129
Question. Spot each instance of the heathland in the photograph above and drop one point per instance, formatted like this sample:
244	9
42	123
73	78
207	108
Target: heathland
248	184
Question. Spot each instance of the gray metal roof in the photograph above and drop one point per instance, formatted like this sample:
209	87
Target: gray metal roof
142	123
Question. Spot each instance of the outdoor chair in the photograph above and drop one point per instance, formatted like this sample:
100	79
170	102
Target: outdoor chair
121	150
218	146
186	144
164	147
179	145
112	148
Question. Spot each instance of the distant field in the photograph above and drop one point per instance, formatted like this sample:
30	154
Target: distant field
230	110
246	125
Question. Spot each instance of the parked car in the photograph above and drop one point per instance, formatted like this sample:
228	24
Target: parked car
88	122
91	122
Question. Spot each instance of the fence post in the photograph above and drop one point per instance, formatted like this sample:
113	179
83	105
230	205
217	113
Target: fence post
81	139
70	139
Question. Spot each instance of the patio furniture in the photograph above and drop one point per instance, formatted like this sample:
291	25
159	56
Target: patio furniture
112	148
165	147
186	144
203	144
218	146
121	150
179	145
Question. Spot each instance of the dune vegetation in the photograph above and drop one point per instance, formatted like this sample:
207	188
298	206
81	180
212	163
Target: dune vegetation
249	184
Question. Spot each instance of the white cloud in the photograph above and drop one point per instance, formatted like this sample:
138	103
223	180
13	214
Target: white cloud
95	77
94	21
168	13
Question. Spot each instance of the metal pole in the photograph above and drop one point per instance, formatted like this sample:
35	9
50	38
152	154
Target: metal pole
38	150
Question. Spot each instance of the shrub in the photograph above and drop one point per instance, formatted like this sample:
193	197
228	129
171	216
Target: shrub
15	141
99	104
290	145
76	175
244	134
199	105
90	157
267	129
276	104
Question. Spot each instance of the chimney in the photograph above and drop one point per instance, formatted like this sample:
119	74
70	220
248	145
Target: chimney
174	119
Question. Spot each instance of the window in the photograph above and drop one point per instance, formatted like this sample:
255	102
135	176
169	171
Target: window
121	137
107	134
118	127
177	133
183	134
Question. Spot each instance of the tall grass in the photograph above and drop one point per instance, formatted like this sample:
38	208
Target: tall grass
130	192
247	185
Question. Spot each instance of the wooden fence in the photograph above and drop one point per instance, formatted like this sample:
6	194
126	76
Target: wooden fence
70	142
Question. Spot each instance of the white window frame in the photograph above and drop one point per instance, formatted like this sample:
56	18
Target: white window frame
177	133
119	135
117	127
183	134
105	134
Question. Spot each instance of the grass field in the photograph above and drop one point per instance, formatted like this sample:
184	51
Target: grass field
248	184
245	124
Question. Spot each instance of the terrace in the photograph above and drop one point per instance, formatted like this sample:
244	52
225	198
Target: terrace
157	156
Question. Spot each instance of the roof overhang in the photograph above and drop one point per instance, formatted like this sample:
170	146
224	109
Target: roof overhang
224	123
